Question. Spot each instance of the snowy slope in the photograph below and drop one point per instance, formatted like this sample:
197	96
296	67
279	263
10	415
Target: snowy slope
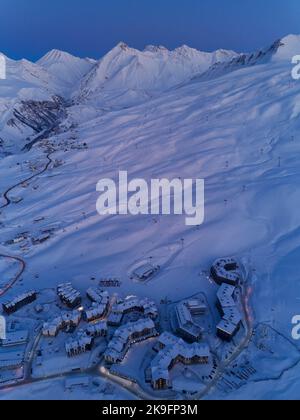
25	82
241	133
282	50
31	89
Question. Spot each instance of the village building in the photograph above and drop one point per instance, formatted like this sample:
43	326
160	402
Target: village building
97	330
174	351
226	330
110	283
145	272
12	358
187	328
231	316
63	321
79	345
40	239
68	295
145	306
115	319
97	295
97	311
19	302
197	306
166	339
225	296
226	270
127	335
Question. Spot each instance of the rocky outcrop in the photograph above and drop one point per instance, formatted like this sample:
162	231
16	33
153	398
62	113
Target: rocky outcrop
38	115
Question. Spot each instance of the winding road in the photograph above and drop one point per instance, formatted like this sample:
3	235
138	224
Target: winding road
5	205
17	276
21	262
10	189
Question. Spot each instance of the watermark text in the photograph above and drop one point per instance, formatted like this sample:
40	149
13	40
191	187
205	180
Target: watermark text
296	328
296	68
2	67
159	197
2	328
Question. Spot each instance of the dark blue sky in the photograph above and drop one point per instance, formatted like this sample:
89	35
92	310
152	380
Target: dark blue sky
29	28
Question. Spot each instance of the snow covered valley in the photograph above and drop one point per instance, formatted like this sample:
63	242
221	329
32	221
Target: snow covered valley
239	130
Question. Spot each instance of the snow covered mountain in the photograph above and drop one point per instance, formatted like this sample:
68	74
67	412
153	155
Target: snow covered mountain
282	50
238	128
25	82
66	67
33	95
123	77
126	75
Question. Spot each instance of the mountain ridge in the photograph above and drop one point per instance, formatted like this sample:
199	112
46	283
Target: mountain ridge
123	77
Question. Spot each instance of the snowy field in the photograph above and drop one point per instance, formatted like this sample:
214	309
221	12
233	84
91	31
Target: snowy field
49	390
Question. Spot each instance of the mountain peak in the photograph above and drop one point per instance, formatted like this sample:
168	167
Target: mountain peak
65	67
123	46
187	51
119	49
55	56
155	48
185	47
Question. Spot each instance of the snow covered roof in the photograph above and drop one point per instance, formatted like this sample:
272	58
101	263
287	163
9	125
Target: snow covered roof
227	327
227	269
123	335
115	318
132	327
19	298
116	345
94	329
78	343
186	322
95	311
67	292
225	295
74	316
97	295
162	363
167	339
196	303
146	305
145	271
184	315
63	320
231	315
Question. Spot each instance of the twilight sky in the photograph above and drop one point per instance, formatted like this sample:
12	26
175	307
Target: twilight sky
30	28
